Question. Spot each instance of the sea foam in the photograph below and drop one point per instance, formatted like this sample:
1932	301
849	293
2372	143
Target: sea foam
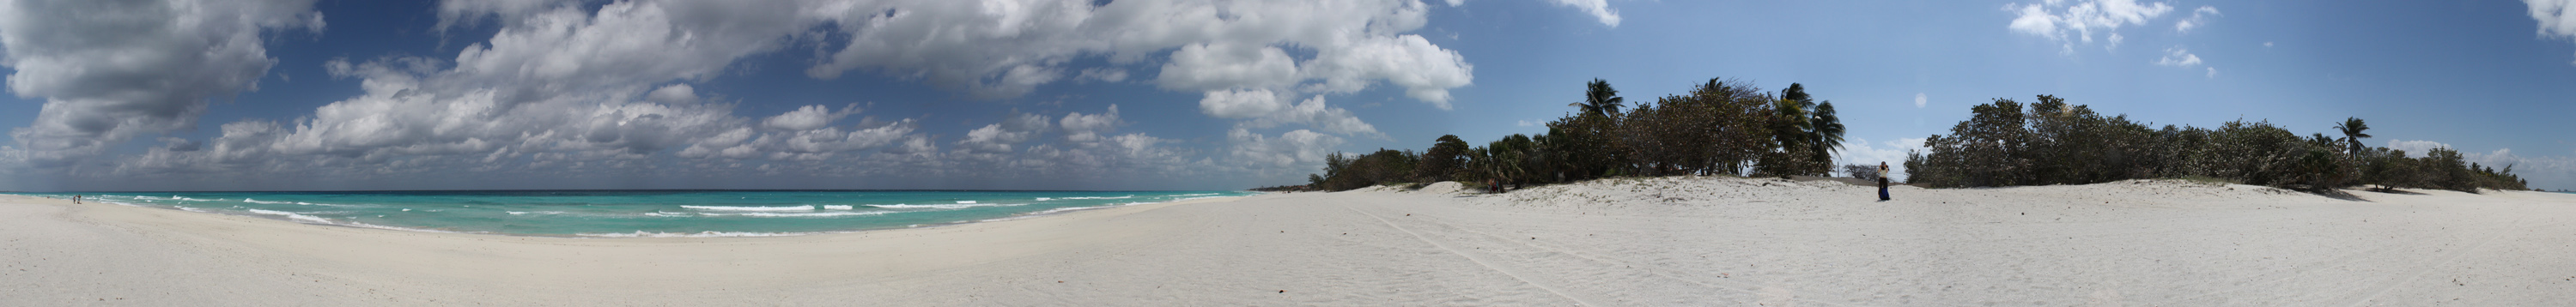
816	214
730	208
955	206
294	216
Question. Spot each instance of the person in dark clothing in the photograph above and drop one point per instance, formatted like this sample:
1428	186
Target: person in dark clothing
1882	181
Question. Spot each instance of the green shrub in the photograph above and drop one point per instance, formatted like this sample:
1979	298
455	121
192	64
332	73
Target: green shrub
2055	143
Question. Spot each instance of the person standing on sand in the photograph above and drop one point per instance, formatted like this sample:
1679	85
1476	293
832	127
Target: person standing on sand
75	199
1882	181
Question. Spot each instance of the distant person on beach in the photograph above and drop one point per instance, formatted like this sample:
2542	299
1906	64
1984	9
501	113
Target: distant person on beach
1882	181
75	199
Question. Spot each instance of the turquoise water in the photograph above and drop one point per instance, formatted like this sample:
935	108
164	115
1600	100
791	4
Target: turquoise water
642	213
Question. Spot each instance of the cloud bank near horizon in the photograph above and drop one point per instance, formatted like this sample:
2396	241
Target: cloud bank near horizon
564	87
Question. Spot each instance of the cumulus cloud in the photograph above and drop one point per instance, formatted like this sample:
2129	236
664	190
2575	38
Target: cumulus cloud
998	137
1006	48
1241	103
619	47
808	118
673	94
2076	22
1313	112
1080	127
1103	75
2178	57
1266	109
1289	151
1920	100
2199	17
1600	9
109	70
1200	67
569	85
2557	18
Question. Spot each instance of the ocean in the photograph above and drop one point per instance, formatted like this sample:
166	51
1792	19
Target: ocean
641	213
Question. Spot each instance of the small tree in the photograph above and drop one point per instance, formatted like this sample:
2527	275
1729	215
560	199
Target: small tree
1442	162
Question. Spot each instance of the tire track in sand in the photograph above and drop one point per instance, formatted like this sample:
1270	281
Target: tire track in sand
1471	258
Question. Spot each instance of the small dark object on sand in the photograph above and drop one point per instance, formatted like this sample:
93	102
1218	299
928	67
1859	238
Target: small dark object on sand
1283	291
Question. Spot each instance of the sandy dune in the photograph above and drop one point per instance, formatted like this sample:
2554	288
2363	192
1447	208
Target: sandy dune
1663	241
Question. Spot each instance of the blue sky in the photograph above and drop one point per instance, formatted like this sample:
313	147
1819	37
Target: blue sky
543	94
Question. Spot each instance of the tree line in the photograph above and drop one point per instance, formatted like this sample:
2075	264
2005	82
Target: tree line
1730	127
1721	127
2051	142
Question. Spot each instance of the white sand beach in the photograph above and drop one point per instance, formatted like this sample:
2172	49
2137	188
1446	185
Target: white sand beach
1621	242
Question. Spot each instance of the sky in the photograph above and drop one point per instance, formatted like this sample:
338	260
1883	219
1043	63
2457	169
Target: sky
275	95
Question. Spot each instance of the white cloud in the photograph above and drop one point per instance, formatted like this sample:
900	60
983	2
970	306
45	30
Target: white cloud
2179	57
1424	70
998	137
1249	103
2183	58
2557	18
109	71
2198	17
1294	151
620	46
1263	109
1103	75
565	85
1526	123
978	42
673	94
1600	9
1920	100
452	13
2055	19
1205	67
1080	127
1313	112
809	117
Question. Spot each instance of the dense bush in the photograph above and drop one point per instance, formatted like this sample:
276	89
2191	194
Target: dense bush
2054	143
1722	127
1728	127
1384	166
1862	172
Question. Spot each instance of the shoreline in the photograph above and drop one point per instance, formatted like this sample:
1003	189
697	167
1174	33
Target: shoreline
638	234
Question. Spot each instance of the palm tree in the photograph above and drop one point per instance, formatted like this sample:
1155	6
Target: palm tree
1791	130
2352	128
1599	99
1828	133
